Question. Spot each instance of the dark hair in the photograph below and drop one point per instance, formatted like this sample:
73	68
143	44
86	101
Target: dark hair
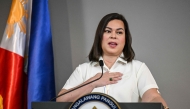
96	50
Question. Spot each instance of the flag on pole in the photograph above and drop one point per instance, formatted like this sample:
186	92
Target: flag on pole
41	84
12	48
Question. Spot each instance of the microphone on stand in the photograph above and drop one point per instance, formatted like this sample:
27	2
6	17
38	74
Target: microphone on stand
101	65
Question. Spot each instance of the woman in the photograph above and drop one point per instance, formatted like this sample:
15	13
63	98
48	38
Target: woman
125	79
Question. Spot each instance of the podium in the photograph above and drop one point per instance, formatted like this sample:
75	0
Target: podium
66	105
95	101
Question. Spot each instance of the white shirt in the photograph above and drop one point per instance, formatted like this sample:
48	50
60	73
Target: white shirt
136	79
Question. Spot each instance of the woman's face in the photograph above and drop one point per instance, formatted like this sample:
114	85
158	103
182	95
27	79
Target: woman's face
113	40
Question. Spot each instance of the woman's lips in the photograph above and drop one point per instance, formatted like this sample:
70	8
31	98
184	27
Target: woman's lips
112	44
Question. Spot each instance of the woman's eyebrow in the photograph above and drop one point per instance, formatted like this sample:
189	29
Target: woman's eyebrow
120	29
116	29
109	28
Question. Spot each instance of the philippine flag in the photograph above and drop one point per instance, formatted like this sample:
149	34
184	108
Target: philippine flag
38	54
13	86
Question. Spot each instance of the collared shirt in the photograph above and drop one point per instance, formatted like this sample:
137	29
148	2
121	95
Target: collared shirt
136	79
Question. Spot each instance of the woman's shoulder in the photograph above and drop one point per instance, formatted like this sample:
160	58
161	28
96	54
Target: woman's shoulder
87	64
136	63
84	64
86	67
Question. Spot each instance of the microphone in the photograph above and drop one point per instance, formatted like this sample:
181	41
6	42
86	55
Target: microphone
101	65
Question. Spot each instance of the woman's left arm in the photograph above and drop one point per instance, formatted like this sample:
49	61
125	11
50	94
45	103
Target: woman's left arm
152	95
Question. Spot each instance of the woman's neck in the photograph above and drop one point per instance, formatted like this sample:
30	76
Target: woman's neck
109	60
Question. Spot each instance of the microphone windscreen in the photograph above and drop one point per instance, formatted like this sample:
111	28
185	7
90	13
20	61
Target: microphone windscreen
101	63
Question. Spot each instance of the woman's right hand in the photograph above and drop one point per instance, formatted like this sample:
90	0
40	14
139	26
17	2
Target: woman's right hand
105	79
